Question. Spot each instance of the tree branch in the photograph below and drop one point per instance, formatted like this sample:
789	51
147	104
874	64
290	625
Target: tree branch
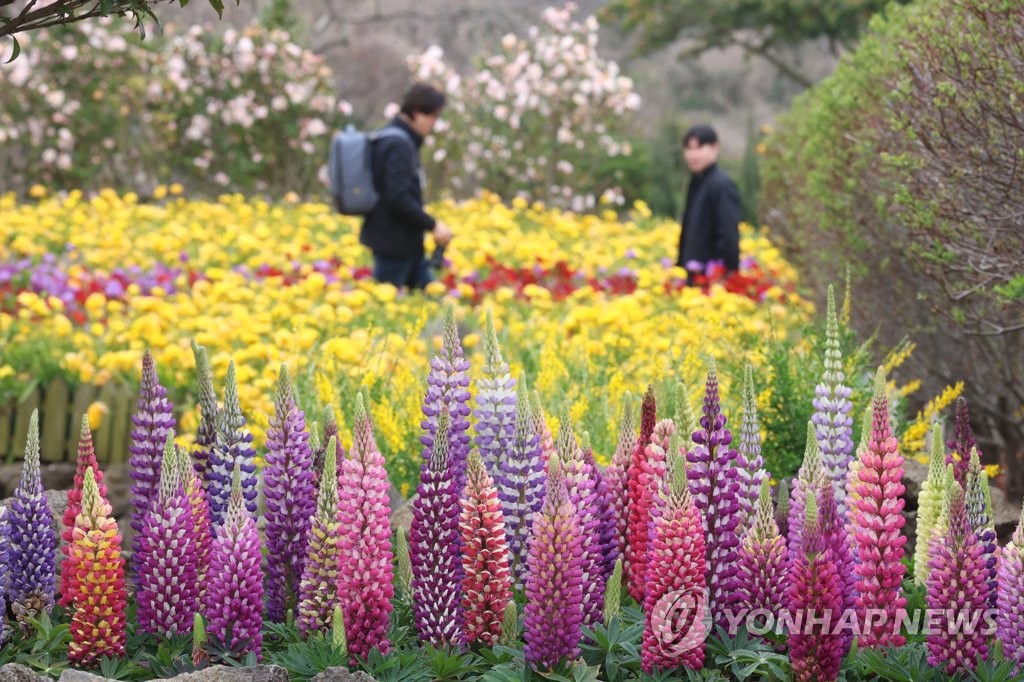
763	52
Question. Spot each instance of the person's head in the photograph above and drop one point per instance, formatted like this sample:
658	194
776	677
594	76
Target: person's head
700	147
422	106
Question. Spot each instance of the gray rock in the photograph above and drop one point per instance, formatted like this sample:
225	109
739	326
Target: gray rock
402	517
82	676
13	672
342	675
223	673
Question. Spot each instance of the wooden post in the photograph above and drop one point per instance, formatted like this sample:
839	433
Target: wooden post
121	423
21	421
53	419
104	436
7	411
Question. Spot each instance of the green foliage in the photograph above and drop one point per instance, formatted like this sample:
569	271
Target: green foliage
280	15
304	660
907	663
612	646
748	659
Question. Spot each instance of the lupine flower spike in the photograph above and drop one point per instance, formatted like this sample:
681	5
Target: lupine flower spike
403	571
5	543
605	511
1010	598
318	591
99	598
836	539
234	599
639	514
496	407
764	564
879	523
522	490
750	461
206	435
86	460
33	543
809	477
613	593
651	483
509	624
782	507
929	502
979	517
202	526
616	477
234	446
684	417
541	428
290	499
963	442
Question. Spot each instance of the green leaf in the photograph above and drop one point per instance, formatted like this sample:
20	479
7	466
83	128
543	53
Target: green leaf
217	5
16	52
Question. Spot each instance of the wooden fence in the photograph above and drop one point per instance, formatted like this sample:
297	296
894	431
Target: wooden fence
60	421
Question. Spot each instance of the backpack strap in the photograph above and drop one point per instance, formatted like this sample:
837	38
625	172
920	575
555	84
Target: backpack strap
395	131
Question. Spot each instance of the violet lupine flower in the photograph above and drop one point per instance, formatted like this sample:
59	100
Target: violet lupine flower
86	460
815	590
639	516
615	475
435	548
929	502
290	499
808	477
878	522
234	446
713	484
318	591
522	488
958	592
33	549
206	434
153	420
553	617
234	597
495	406
677	571
543	431
487	586
5	543
750	463
447	389
963	442
764	563
836	539
365	575
979	516
832	420
1010	598
605	510
579	485
167	563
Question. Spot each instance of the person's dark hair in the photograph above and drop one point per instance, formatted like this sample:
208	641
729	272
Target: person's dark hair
704	134
423	98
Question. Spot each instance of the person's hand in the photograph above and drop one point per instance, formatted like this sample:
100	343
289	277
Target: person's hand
442	234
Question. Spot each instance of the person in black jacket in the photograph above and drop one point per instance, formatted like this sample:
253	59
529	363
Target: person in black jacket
710	223
395	228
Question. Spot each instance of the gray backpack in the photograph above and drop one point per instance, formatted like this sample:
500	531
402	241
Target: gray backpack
350	166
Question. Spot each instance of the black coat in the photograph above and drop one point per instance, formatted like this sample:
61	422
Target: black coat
396	225
710	222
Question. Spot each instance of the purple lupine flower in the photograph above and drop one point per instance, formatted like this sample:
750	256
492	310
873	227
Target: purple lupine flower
605	510
435	547
234	446
832	419
167	564
553	617
808	477
365	572
234	597
957	591
617	477
1010	598
495	407
206	434
153	420
5	542
579	485
836	538
963	442
288	489
750	463
980	518
447	388
33	549
764	563
522	487
713	483
318	591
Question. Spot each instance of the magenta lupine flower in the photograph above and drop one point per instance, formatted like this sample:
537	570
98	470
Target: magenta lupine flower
713	484
676	579
764	564
832	419
808	477
958	592
234	597
750	463
615	476
605	510
495	407
166	563
815	591
447	388
234	447
318	591
836	539
33	549
288	489
543	431
1010	598
652	482
435	548
639	514
979	517
963	442
579	486
201	524
153	420
365	576
878	536
206	434
522	489
553	616
5	543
